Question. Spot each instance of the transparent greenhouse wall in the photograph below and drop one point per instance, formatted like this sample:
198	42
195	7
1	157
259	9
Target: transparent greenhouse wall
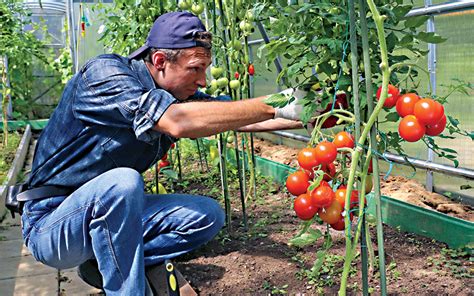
455	60
88	45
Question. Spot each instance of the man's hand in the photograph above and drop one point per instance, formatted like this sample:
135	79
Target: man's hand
293	110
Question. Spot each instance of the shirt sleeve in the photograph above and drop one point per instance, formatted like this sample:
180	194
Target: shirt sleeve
110	93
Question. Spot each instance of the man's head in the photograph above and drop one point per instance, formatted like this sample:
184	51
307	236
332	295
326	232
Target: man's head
177	52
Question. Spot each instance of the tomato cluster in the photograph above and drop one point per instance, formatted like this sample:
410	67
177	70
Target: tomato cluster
420	116
320	199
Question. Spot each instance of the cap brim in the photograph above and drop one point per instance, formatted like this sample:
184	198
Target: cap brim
139	52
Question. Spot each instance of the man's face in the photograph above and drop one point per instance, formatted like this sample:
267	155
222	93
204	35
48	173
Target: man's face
183	77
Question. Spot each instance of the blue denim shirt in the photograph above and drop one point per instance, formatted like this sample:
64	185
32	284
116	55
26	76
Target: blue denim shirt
104	120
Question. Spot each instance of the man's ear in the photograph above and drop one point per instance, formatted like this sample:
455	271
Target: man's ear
159	58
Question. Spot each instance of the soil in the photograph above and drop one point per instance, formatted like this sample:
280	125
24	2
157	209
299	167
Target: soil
259	260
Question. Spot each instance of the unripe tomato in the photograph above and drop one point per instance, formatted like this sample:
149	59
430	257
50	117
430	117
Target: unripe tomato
343	140
393	93
249	15
222	82
428	111
329	170
235	44
213	153
197	8
297	183
303	207
234	84
216	72
183	5
411	129
251	70
326	152
369	184
230	139
242	25
322	196
406	104
331	214
307	158
436	129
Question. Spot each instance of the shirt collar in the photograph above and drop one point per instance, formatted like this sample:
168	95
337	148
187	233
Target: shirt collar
143	74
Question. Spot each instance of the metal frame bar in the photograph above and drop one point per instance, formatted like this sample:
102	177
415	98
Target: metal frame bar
441	8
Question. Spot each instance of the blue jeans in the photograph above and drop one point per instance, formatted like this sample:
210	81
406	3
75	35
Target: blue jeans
111	219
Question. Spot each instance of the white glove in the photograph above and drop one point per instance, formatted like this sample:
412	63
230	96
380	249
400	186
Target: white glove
293	110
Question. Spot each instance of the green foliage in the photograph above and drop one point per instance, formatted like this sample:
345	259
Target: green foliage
7	153
455	262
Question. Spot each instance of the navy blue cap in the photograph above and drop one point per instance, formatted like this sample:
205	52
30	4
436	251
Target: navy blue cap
172	30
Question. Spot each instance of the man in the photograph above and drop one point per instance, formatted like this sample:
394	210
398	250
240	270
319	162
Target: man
116	118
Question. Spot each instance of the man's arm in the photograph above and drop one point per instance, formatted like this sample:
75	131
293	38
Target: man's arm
272	125
202	119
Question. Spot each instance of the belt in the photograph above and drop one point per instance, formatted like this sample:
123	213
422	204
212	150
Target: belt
43	192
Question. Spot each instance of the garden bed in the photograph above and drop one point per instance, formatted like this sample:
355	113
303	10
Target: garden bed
260	261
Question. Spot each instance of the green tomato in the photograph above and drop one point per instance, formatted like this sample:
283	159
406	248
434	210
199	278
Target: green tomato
214	84
242	25
230	139
197	8
249	15
213	153
183	5
234	84
216	72
222	82
235	44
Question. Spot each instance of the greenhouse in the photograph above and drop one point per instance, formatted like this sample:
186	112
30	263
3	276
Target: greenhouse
236	147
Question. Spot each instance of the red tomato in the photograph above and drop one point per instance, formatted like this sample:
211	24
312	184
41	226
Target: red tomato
329	171
307	158
411	129
341	103
406	104
165	157
163	163
330	122
339	225
297	183
392	98
340	196
303	207
236	75
251	70
322	196
371	168
428	111
331	214
172	146
326	152
343	140
310	174
436	129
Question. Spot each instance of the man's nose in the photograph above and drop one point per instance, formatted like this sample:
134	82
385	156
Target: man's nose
201	81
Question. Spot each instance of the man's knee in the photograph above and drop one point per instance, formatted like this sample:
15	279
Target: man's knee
123	184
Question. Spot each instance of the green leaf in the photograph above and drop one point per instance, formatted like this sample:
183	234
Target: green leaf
392	116
430	37
453	121
416	21
170	173
306	238
277	100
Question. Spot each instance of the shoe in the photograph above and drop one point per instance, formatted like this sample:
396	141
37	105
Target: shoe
89	273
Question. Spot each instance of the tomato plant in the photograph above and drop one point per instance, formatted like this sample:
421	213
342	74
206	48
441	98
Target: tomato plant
297	183
303	207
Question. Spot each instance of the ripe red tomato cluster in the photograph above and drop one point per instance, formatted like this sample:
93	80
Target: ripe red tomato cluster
420	116
321	200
